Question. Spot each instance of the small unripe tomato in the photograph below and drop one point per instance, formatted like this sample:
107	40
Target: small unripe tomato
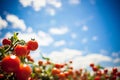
6	41
10	63
32	45
23	72
21	50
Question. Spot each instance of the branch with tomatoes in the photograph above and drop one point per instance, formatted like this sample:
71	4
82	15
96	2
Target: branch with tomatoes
17	64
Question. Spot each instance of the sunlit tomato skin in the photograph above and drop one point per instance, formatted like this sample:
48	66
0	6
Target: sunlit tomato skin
66	74
32	45
55	71
10	63
21	50
23	72
6	41
70	72
61	75
97	78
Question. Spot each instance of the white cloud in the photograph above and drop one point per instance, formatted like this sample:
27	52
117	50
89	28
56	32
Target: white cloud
16	22
74	1
84	28
7	35
117	60
55	3
39	4
84	40
36	55
84	61
51	11
59	43
73	35
36	4
64	55
79	61
28	36
45	38
58	31
3	23
94	38
29	29
26	3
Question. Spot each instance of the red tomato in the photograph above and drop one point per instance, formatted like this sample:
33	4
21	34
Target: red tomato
105	71
40	62
61	75
95	68
66	73
32	45
58	65
1	76
10	63
55	71
6	42
23	72
92	65
97	78
118	74
115	70
70	71
21	50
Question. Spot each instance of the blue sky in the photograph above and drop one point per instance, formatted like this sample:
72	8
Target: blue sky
80	30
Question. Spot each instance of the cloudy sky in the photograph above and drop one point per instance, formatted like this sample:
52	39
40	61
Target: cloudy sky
84	31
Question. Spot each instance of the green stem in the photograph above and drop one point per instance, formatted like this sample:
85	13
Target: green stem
12	45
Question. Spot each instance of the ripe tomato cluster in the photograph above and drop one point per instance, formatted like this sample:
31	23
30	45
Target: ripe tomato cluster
14	58
17	64
101	73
